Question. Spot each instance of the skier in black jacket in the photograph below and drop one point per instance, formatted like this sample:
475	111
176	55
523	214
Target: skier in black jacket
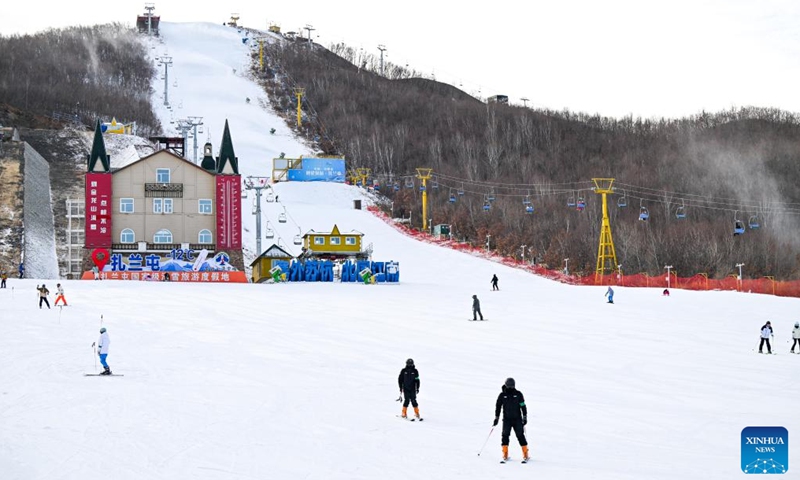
409	387
515	415
494	283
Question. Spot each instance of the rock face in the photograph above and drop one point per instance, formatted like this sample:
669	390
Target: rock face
11	160
39	248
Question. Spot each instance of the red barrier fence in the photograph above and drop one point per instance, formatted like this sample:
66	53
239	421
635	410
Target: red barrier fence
700	281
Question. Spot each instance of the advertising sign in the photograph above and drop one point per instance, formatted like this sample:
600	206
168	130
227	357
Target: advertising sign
319	170
229	212
98	210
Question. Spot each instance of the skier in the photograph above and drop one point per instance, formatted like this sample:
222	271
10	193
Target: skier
766	332
3	278
59	295
408	381
666	292
610	294
21	270
515	415
102	350
43	293
96	272
796	337
476	308
494	283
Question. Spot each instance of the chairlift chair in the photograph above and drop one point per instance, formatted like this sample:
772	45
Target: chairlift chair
753	222
738	225
421	187
487	205
282	216
452	197
490	197
270	232
571	201
461	191
529	209
527	200
298	240
270	197
396	187
435	184
622	201
410	183
644	214
244	193
680	212
581	204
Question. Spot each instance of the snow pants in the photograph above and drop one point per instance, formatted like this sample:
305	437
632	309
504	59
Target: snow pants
60	297
494	286
475	313
519	430
611	298
761	346
796	342
43	299
410	397
103	359
3	283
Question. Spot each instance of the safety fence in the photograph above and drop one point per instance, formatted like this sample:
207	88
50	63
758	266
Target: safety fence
700	281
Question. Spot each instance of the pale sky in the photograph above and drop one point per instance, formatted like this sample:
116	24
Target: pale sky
616	57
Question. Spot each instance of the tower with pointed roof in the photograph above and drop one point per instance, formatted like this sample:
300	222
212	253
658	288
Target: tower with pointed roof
98	192
229	195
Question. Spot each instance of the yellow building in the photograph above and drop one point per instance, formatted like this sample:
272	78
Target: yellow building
333	244
264	263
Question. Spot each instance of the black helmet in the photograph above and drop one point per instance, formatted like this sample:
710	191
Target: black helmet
509	383
103	330
410	362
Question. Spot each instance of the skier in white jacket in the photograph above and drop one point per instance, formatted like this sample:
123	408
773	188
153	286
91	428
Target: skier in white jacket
766	332
796	337
102	350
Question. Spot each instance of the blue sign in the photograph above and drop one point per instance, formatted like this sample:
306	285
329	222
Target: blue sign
322	271
765	450
319	170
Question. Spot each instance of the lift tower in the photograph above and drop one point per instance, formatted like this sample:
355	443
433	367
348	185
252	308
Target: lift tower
606	255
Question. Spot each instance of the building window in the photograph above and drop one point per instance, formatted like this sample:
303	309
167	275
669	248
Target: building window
204	206
204	237
76	237
336	240
125	205
162	236
162	175
319	240
127	236
162	205
349	240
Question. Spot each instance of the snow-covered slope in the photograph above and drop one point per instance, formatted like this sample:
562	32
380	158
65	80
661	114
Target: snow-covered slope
300	380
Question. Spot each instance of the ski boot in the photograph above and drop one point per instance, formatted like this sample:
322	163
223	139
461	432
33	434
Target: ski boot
403	415
505	453
416	413
525	456
106	371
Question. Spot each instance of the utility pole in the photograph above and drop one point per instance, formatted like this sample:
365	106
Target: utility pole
668	267
523	253
488	237
194	122
310	29
149	7
619	269
257	184
382	49
524	102
167	62
566	266
740	265
183	126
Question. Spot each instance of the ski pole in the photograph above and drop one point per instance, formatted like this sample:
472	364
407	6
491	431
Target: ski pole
487	441
59	314
94	350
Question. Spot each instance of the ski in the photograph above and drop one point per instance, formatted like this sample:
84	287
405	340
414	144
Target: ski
471	320
101	375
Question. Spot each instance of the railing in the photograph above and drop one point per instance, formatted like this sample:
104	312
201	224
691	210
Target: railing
163	190
163	247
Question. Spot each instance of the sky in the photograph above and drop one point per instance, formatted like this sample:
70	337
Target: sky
299	380
615	58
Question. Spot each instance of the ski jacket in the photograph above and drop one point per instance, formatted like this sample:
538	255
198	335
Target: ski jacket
476	304
512	402
60	290
102	343
43	292
409	379
766	331
796	332
494	279
610	291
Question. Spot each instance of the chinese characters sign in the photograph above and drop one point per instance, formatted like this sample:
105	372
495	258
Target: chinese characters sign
319	170
98	210
229	212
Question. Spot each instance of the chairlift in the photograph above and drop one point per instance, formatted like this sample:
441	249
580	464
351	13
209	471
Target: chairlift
527	200
622	201
270	197
244	193
298	240
490	197
753	222
644	214
435	184
421	187
282	216
376	186
680	212
487	205
581	204
410	183
529	209
270	232
738	225
571	201
396	187
452	197
461	191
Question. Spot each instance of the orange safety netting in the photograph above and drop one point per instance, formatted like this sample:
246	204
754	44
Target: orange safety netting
699	281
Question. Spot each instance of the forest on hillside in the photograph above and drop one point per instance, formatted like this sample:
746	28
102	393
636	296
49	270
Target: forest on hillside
79	75
699	179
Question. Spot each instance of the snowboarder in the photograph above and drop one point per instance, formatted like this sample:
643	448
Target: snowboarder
796	337
766	332
476	308
610	294
43	293
666	292
21	270
494	283
515	416
408	381
102	350
3	278
59	295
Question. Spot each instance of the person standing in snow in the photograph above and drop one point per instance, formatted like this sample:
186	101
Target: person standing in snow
515	416
59	295
476	308
408	381
3	278
43	293
21	270
766	332
796	336
96	272
610	294
494	283
102	350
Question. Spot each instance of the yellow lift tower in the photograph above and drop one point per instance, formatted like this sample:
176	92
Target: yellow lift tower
363	175
424	174
606	255
299	92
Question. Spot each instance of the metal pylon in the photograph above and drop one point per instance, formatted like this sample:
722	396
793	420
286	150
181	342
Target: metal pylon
606	255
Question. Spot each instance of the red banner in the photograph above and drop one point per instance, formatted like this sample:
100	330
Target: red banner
98	210
192	277
229	212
